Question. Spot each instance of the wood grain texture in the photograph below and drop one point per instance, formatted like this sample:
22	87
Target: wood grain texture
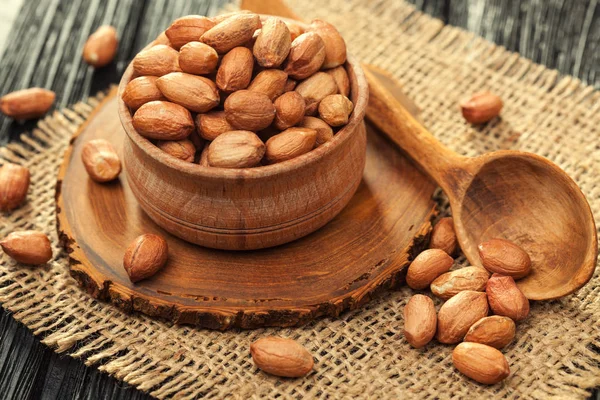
29	370
366	248
513	195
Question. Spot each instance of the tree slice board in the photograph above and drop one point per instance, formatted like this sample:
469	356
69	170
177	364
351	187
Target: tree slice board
365	249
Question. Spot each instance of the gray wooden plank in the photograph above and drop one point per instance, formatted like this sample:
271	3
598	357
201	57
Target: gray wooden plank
561	34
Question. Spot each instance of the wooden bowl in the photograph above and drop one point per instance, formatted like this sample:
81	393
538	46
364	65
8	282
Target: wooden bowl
252	208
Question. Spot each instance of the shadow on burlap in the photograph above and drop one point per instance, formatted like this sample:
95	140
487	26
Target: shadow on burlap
361	354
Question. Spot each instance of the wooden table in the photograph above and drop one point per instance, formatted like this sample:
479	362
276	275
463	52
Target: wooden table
562	34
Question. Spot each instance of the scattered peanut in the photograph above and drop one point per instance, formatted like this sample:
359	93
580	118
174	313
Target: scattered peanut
145	256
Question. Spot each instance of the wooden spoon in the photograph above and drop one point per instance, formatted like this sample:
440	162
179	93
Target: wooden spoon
513	195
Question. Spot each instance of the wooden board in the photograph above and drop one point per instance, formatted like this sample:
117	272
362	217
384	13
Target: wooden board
364	249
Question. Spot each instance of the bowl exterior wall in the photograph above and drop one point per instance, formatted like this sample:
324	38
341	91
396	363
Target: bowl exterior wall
245	214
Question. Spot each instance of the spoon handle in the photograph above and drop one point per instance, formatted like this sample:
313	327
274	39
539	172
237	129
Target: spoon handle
443	165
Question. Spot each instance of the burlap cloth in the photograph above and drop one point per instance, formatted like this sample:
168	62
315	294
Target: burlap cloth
362	354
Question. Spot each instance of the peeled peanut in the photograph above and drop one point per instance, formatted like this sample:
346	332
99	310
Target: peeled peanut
289	110
236	149
271	82
481	363
231	32
340	76
14	184
27	103
458	314
443	236
140	91
314	89
163	120
247	110
324	131
28	247
281	357
506	298
182	149
196	93
335	109
496	331
426	267
100	160
306	56
198	58
187	29
101	46
289	144
158	60
235	71
212	124
481	107
451	283
145	256
420	321
273	43
504	257
335	46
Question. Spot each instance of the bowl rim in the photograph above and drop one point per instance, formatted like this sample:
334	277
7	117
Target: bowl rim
360	94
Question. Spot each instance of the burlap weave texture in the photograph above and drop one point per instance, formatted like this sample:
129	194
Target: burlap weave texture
361	354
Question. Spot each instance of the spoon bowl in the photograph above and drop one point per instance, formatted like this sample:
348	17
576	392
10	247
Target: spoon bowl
530	201
511	195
